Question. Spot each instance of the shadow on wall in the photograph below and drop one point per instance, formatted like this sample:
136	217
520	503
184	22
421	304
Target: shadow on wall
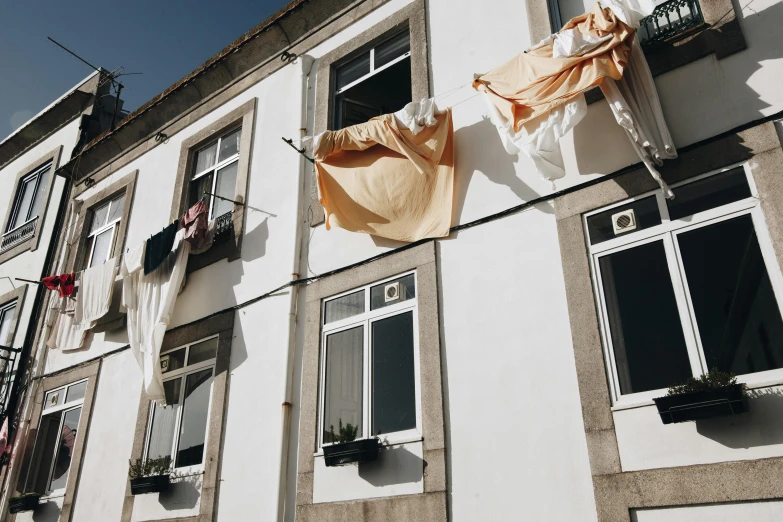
47	512
762	425
254	242
395	465
182	494
483	152
732	94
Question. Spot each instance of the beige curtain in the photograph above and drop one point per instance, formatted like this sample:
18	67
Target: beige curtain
535	82
382	179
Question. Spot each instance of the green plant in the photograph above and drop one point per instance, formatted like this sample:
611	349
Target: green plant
347	432
713	380
150	467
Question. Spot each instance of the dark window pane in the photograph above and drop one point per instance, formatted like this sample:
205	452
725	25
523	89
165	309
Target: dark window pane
164	420
599	226
398	291
382	93
649	345
203	351
708	193
195	409
393	382
738	316
343	386
392	48
353	70
64	450
344	307
352	112
173	360
44	454
197	189
24	201
229	145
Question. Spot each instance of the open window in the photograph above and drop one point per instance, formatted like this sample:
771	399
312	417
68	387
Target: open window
376	82
58	431
215	174
687	285
179	429
369	370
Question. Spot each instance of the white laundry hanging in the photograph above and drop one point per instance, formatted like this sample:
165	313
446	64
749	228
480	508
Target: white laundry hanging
418	115
94	296
149	301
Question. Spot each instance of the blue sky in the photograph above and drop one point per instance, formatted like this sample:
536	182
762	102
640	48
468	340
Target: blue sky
164	39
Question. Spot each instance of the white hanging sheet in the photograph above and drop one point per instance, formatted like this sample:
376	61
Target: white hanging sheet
149	301
636	107
94	296
417	115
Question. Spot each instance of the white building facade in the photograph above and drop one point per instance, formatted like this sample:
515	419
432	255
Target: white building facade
510	374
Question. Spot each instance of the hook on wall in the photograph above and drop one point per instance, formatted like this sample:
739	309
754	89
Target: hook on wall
287	57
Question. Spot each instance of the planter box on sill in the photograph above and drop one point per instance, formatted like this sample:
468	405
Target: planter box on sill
23	503
362	450
153	484
693	406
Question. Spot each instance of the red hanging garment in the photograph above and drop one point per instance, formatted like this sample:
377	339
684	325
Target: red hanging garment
64	283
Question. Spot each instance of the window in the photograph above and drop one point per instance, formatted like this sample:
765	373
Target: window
376	82
103	231
29	197
369	373
687	285
56	439
7	313
179	429
215	173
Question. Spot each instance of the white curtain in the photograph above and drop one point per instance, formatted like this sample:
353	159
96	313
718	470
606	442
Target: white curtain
636	107
149	301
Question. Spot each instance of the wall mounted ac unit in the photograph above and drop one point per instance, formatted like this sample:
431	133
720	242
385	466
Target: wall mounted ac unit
623	222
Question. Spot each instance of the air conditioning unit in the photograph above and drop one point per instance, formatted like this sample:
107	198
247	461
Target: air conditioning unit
393	292
624	221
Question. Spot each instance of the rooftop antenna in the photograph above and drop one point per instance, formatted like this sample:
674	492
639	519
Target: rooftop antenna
111	77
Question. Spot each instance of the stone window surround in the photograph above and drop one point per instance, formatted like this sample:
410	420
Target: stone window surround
223	326
414	16
89	371
430	505
52	157
18	295
721	35
243	116
127	184
617	492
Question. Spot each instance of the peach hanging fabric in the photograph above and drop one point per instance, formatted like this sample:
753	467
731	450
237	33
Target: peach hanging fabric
381	178
534	83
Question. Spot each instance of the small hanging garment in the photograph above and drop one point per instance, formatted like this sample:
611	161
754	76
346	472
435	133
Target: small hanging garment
159	247
66	334
194	221
64	283
384	179
94	297
4	436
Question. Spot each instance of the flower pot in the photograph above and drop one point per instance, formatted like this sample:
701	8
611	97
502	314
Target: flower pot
153	484
23	503
683	407
363	450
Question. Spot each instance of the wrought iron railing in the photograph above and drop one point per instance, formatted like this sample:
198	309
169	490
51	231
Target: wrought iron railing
669	20
8	369
224	226
18	235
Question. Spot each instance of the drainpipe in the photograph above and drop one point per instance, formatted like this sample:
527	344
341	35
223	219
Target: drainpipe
306	63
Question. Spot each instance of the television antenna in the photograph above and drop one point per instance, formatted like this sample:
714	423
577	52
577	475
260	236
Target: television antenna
111	77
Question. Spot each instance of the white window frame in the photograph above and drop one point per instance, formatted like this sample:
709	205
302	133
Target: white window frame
109	225
65	408
183	373
666	232
366	320
219	165
37	174
3	311
373	70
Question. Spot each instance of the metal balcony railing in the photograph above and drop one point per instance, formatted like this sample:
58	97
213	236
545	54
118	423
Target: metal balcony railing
670	20
18	235
8	369
224	226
